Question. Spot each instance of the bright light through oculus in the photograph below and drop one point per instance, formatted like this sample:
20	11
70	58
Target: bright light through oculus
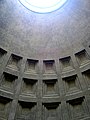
43	6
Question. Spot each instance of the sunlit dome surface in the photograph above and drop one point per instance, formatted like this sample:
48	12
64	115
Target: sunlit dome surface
43	6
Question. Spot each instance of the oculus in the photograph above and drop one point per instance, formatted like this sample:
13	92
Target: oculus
43	6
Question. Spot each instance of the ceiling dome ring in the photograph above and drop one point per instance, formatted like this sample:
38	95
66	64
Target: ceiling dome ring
42	6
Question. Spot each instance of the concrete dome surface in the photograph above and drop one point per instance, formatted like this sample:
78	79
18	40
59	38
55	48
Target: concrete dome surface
45	62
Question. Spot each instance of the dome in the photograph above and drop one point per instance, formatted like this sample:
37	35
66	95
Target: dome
45	62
